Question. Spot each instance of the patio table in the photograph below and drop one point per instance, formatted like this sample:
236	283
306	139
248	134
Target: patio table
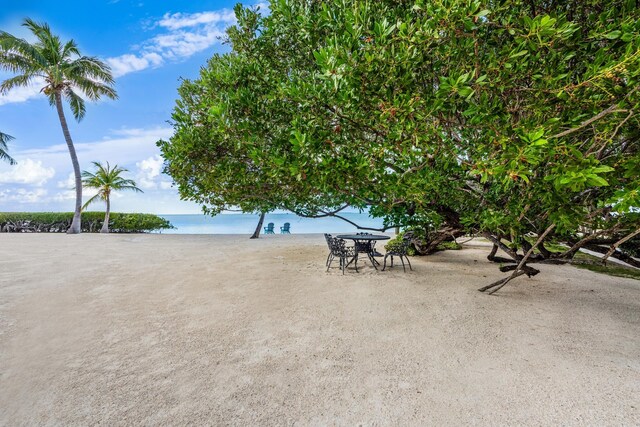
362	244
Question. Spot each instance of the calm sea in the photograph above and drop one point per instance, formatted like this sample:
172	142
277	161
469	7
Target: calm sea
246	223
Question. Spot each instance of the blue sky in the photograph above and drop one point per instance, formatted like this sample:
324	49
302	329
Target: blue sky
150	45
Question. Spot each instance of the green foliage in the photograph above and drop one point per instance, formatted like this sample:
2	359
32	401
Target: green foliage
449	246
59	222
396	243
493	116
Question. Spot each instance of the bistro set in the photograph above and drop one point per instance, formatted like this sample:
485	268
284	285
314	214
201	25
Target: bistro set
365	244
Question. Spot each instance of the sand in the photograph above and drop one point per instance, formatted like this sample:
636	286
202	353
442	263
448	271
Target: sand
221	330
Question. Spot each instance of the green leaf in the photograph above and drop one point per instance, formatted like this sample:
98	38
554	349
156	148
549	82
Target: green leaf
613	34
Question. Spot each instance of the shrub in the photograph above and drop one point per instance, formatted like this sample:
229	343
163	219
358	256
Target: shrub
449	246
59	222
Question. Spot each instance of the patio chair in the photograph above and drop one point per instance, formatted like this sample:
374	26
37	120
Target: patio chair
327	237
269	229
399	250
285	228
368	247
345	254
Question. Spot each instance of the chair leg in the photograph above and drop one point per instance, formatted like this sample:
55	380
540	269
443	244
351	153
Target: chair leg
385	262
372	259
403	268
409	263
354	260
328	256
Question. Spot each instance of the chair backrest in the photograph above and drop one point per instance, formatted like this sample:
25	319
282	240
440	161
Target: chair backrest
270	226
328	238
336	245
400	248
286	226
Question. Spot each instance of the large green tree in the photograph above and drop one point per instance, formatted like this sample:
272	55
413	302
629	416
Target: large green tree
106	179
4	138
66	74
509	118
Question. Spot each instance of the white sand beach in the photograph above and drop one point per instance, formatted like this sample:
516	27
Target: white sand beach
223	330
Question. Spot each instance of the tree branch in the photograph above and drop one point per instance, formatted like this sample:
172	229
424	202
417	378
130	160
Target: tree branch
519	270
618	243
612	109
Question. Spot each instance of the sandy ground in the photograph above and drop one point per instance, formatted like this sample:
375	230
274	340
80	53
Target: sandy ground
221	330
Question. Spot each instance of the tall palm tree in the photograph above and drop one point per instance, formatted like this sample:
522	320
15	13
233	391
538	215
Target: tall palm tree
65	72
106	180
4	138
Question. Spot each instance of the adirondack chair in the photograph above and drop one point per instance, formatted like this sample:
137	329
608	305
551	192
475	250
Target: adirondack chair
269	229
285	228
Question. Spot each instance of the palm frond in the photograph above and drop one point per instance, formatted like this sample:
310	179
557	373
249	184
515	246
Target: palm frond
16	63
69	49
75	102
92	68
91	200
21	47
16	81
4	138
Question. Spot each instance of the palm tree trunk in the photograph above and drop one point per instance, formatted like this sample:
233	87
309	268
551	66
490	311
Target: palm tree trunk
105	224
256	233
76	222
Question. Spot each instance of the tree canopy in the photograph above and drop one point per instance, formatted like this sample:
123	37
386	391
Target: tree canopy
504	118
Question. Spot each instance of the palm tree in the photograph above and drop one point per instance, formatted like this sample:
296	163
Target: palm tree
65	72
106	180
4	138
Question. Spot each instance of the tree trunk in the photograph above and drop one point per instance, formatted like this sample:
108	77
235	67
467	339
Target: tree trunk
256	233
76	222
105	224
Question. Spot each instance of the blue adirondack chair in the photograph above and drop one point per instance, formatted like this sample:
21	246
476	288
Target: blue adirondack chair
269	229
285	229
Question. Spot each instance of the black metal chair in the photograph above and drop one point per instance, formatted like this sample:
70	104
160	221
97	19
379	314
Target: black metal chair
345	254
399	250
327	237
368	247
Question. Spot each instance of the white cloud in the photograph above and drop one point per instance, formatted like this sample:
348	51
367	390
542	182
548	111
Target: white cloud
128	63
127	144
27	171
21	195
185	34
70	182
149	174
177	21
63	196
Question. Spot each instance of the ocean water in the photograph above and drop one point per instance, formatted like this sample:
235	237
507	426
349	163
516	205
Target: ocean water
246	223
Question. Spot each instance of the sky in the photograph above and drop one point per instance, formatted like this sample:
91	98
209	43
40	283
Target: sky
150	45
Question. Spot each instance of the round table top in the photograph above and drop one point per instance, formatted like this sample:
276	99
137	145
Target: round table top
363	236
